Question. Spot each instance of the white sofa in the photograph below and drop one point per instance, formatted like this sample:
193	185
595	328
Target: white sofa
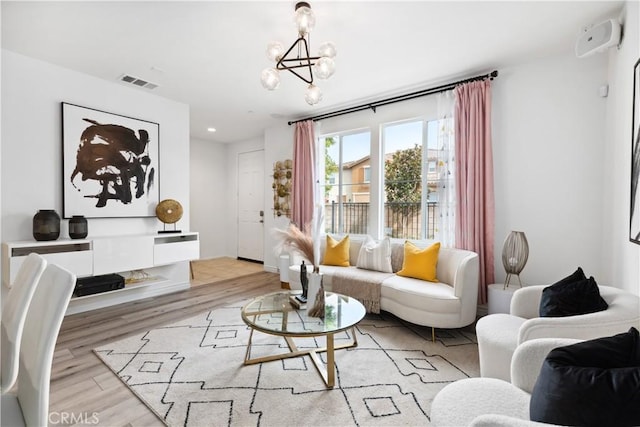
449	303
500	334
493	402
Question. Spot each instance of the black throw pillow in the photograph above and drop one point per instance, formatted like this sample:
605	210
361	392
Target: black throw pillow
592	383
572	296
548	300
576	276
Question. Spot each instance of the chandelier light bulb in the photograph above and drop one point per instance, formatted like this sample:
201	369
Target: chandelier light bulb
275	50
313	95
327	49
270	78
304	18
324	67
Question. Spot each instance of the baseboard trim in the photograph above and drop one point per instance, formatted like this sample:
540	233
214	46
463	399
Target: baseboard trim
255	261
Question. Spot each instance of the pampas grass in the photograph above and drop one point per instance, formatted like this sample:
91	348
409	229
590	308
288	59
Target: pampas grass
296	239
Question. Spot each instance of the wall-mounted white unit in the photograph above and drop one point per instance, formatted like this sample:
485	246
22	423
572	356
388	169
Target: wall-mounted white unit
151	264
123	253
168	249
598	38
74	255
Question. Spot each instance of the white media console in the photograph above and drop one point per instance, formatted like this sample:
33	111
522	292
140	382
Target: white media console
152	264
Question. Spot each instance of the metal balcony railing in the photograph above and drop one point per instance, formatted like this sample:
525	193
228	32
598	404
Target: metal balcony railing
401	220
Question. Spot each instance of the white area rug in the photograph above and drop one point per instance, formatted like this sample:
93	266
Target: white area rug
191	373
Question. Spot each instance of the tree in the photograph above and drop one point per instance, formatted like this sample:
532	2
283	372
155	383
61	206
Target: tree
403	176
403	187
330	166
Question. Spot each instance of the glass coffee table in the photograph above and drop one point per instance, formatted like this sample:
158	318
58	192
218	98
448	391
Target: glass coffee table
273	314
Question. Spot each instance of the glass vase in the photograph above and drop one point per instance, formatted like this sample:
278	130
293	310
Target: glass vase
315	296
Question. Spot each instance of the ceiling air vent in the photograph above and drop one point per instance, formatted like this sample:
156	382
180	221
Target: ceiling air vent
137	82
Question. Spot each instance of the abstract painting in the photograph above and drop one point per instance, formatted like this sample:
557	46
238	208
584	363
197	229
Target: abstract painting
634	229
110	164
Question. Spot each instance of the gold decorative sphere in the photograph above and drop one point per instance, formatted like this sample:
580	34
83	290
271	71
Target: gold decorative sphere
169	211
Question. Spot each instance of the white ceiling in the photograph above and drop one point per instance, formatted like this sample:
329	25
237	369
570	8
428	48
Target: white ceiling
209	54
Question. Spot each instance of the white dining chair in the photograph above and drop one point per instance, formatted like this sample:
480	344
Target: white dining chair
30	405
14	312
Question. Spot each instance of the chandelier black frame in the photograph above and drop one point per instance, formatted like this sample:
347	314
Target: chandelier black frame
297	58
280	65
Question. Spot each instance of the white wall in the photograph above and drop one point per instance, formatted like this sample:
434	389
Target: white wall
620	257
549	141
31	168
209	183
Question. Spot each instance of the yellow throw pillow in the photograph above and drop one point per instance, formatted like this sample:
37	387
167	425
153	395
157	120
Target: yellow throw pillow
420	263
337	253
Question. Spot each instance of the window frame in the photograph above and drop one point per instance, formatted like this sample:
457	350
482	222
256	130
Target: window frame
340	184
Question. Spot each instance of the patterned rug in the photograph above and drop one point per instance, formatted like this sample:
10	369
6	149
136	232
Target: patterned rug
191	373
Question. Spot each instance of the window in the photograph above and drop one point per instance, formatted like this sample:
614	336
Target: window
410	179
366	193
347	189
367	174
432	167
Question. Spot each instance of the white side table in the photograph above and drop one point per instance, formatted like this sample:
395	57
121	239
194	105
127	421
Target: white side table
283	267
500	298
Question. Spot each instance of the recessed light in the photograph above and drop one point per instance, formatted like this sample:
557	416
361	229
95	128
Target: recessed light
211	129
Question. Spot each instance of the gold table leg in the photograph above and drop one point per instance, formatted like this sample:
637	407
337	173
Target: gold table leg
327	373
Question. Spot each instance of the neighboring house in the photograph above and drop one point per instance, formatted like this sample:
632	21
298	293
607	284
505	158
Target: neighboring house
359	175
356	180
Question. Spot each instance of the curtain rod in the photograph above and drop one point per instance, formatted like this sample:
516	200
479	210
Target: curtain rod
375	104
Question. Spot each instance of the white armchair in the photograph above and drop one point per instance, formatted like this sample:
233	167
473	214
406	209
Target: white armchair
500	334
484	402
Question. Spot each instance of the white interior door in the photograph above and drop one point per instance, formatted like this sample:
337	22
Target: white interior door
251	205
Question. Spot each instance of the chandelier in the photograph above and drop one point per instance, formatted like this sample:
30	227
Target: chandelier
297	60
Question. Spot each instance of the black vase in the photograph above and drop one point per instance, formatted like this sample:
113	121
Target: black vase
78	228
46	225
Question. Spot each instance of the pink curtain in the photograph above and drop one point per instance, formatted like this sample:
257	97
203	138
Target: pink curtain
303	179
474	177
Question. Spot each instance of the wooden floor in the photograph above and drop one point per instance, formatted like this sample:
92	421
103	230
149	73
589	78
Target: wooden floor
84	390
213	270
